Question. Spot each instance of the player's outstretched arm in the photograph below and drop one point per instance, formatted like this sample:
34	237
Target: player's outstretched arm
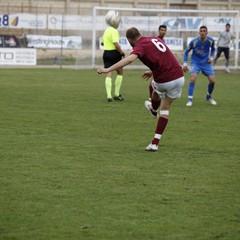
124	62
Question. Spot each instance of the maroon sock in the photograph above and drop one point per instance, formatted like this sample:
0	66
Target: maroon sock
155	104
150	90
161	125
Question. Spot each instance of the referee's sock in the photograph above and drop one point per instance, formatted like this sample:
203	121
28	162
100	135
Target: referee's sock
118	84
108	85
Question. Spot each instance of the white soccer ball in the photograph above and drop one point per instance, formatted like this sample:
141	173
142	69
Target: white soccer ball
112	18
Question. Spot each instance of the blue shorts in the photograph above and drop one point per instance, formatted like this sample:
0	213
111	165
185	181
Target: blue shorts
206	68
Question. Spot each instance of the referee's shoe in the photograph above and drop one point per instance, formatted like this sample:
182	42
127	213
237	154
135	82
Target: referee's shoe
118	98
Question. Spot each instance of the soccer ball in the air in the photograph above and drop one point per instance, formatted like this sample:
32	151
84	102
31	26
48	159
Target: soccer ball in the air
112	18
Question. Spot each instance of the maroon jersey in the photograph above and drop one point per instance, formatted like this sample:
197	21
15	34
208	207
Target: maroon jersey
154	53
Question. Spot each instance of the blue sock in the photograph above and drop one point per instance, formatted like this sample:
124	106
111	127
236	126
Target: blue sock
210	90
191	87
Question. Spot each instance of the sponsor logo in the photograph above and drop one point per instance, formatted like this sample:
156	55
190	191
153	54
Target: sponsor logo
222	20
6	56
183	23
14	21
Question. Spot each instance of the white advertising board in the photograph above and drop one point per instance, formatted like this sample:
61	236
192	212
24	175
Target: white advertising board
46	41
73	22
18	56
78	22
174	43
23	20
171	42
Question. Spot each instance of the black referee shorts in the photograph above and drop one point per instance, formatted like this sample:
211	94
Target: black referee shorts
110	57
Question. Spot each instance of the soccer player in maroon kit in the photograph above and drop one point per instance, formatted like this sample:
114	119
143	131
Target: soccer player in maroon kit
168	77
162	30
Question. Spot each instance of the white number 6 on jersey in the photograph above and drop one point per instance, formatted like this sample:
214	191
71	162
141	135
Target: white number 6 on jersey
160	46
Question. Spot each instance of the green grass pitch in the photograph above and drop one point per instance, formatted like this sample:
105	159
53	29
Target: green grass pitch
74	167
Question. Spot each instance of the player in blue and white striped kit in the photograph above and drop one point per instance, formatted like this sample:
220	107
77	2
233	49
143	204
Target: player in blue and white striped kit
203	51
